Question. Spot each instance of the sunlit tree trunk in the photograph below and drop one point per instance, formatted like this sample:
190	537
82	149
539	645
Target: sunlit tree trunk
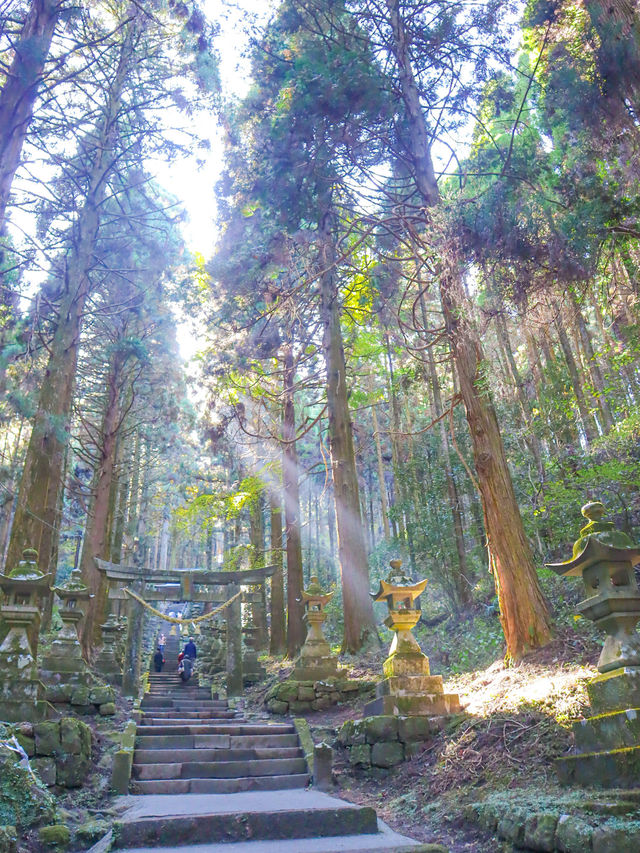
278	641
523	610
359	619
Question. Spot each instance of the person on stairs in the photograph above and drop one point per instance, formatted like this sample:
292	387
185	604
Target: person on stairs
158	660
190	650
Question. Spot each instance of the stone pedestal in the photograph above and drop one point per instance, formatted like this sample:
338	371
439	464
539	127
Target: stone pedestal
21	691
408	688
607	743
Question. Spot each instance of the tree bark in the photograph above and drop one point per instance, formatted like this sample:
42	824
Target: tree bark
359	619
291	488
20	88
278	642
35	523
523	610
590	431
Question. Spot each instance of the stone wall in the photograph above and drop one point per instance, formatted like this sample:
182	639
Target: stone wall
385	741
294	697
58	750
79	698
602	825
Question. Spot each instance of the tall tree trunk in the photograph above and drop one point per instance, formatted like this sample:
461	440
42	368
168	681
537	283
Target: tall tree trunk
588	425
462	578
291	489
256	538
96	542
384	512
18	94
523	610
359	620
592	364
278	642
35	523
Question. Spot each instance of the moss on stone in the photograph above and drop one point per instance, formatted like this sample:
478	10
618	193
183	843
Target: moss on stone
24	801
57	836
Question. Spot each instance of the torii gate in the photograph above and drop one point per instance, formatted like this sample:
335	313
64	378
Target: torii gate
177	585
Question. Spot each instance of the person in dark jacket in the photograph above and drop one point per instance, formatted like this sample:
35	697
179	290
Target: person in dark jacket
190	649
158	660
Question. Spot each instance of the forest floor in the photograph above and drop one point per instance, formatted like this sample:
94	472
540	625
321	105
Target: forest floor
516	723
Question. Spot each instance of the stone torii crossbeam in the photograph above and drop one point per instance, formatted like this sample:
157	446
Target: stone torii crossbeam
178	585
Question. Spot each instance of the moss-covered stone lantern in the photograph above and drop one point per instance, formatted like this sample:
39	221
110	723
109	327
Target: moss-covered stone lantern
315	662
607	743
605	558
408	688
106	662
24	589
63	668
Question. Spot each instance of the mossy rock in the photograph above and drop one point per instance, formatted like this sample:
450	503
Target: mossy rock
57	836
47	736
108	709
102	694
573	835
381	728
387	754
287	691
92	831
540	831
8	839
277	707
24	801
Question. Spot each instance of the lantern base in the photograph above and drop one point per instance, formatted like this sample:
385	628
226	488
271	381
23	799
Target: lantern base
608	743
437	705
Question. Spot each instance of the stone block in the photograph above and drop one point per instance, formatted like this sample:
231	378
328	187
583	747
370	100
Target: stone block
414	706
71	770
511	826
107	709
410	685
70	736
298	707
387	754
321	703
101	694
619	768
488	816
57	836
287	691
47	736
8	839
360	754
608	731
406	663
58	692
612	839
306	694
414	728
540	831
573	835
277	707
615	691
45	767
80	695
381	728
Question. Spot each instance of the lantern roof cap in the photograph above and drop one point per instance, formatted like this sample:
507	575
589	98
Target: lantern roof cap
27	568
398	582
598	540
315	591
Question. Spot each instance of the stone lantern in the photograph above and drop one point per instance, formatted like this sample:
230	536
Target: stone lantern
63	668
408	688
106	662
604	557
21	692
315	662
607	743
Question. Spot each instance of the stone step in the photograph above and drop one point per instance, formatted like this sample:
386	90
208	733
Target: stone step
608	731
155	714
217	742
239	728
249	825
219	786
220	769
199	754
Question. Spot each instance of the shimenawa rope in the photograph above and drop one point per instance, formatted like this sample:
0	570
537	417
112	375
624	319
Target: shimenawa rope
175	619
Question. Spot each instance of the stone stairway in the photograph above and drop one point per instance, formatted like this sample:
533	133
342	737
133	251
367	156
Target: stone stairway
243	784
190	743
